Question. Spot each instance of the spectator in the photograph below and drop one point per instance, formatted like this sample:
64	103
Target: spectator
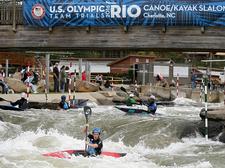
108	84
4	86
67	78
161	81
193	80
98	79
101	80
62	79
56	77
36	77
29	77
84	76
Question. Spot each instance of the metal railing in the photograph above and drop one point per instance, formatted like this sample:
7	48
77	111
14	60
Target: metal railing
113	80
11	12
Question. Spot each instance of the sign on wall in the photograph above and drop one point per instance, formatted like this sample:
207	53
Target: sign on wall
181	71
50	13
160	69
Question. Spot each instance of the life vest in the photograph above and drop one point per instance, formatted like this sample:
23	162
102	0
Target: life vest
152	107
65	106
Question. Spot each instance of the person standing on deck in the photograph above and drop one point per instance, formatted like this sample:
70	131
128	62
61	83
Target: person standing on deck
4	86
56	77
62	79
83	76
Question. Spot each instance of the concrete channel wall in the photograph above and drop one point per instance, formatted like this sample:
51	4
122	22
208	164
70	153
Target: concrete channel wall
171	94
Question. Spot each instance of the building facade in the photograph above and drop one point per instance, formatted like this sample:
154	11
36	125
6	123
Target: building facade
127	63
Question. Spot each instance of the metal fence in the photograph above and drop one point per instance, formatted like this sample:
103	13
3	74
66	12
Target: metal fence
11	12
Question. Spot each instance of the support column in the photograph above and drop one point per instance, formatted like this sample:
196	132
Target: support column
80	68
133	71
210	71
14	15
224	84
86	71
151	74
6	68
170	73
47	61
143	75
89	72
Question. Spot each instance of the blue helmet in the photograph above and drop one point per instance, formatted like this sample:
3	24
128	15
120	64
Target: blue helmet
63	97
96	130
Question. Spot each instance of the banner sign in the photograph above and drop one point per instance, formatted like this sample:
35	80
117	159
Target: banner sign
51	13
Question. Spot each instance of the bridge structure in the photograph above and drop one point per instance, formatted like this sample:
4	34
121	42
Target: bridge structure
16	36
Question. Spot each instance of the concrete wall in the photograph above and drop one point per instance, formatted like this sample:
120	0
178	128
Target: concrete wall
146	73
213	96
170	94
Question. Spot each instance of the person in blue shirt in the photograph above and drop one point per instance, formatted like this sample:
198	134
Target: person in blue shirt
152	106
63	104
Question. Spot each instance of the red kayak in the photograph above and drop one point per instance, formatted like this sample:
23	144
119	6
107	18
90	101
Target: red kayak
69	153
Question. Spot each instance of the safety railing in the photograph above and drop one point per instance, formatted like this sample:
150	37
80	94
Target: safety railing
113	80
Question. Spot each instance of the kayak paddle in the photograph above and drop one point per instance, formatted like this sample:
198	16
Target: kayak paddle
1	99
87	113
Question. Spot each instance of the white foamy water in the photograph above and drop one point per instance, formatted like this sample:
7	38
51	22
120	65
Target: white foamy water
26	149
148	143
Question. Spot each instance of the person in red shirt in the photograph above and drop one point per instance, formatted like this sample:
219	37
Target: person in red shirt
83	76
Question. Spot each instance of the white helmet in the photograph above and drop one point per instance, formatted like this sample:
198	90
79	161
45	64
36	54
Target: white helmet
152	97
23	95
131	95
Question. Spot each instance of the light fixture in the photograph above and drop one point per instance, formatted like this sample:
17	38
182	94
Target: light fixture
88	29
203	29
50	29
164	29
125	28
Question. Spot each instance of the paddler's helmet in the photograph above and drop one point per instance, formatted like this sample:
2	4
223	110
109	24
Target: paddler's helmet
152	97
63	97
24	95
96	130
131	95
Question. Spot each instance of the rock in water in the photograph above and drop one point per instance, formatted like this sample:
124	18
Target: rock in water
214	128
16	84
222	137
85	86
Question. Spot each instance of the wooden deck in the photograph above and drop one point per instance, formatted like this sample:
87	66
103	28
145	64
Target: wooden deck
112	38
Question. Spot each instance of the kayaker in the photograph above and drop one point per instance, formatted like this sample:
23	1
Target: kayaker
152	107
130	101
63	104
95	143
22	102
